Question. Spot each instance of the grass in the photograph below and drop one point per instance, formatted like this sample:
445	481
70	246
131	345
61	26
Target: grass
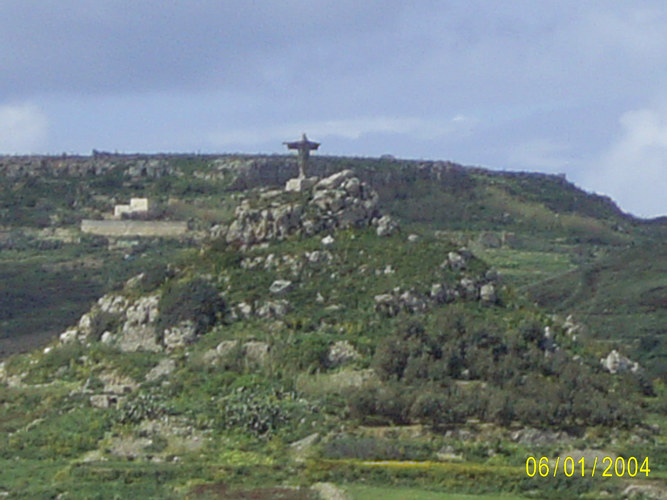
621	297
364	492
522	267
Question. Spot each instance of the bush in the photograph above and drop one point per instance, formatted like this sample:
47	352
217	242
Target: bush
303	353
140	407
194	300
389	402
371	448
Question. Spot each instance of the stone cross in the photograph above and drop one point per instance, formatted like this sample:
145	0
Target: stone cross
304	146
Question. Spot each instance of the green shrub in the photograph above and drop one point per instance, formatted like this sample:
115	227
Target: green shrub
372	448
140	407
194	300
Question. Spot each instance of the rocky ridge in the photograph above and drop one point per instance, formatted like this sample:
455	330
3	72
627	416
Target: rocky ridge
339	201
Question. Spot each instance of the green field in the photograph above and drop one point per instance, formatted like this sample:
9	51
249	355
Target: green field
359	492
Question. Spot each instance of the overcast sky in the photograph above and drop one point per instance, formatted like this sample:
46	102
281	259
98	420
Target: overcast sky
557	86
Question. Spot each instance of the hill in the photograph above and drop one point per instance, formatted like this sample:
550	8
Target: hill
392	322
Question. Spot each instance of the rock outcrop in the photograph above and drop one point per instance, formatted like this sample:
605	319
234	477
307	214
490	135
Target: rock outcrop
115	320
614	362
336	202
386	226
341	353
413	301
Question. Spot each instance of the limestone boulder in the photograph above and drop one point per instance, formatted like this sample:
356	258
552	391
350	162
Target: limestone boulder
412	302
487	294
386	226
112	304
138	331
281	287
69	336
256	352
274	309
468	288
299	184
387	304
180	335
335	180
163	369
615	362
341	353
456	262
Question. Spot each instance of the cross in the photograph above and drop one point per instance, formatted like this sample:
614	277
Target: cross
304	146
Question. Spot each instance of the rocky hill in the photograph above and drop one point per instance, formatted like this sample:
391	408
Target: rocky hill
374	323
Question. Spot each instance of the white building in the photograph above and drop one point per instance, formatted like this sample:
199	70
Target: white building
137	205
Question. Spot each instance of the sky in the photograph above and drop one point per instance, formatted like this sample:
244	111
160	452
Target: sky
555	86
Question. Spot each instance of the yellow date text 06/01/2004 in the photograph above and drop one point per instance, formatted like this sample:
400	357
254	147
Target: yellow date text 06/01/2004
607	467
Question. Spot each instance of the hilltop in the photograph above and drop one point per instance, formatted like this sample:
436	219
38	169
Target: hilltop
390	310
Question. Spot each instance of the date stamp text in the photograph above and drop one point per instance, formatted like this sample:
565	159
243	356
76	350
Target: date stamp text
606	467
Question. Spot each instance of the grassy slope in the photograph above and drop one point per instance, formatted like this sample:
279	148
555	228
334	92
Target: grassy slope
572	252
621	297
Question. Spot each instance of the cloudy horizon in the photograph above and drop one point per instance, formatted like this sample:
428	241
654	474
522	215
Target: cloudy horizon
535	85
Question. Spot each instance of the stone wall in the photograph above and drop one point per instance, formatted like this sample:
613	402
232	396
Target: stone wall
134	228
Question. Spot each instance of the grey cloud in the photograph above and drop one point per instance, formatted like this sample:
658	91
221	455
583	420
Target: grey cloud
542	83
115	46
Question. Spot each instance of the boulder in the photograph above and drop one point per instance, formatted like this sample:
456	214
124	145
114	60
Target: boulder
162	369
469	289
256	352
329	491
274	309
244	310
335	180
113	304
456	262
353	187
331	200
487	294
529	436
645	491
387	305
299	184
115	383
340	353
138	331
616	363
86	324
180	335
386	226
103	400
412	302
221	351
280	287
134	282
226	346
69	336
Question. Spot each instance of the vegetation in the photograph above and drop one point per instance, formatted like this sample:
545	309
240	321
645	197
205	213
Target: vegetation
193	300
434	397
